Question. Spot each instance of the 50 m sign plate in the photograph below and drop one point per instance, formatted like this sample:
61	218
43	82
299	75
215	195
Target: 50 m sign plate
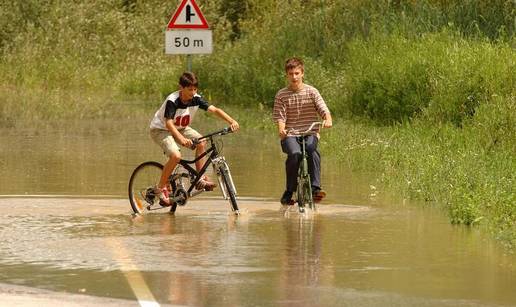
188	42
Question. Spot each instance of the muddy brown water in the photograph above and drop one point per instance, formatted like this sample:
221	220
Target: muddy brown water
67	226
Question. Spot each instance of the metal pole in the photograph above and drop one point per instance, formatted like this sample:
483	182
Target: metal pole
188	62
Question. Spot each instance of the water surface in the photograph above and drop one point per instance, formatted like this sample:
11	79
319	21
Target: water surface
362	248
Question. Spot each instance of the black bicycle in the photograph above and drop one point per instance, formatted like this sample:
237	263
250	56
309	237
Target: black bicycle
183	183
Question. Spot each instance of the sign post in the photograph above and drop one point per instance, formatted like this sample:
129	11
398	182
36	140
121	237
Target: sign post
188	32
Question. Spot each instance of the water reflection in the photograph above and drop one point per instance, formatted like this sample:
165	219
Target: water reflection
301	263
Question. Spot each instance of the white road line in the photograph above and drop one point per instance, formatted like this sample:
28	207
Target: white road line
132	274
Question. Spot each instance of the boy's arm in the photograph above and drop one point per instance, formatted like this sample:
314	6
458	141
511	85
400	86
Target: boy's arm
327	120
322	108
220	113
281	130
279	115
176	134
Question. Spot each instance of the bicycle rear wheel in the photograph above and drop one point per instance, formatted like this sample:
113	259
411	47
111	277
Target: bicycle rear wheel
142	186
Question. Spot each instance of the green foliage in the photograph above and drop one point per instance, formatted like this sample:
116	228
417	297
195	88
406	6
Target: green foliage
469	171
389	79
441	76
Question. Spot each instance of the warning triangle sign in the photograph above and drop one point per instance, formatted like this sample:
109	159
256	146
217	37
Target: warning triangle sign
188	16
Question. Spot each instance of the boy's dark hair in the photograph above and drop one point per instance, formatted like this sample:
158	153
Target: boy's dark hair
294	63
188	79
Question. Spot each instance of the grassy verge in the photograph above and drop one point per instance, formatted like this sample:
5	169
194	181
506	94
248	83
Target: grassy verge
469	172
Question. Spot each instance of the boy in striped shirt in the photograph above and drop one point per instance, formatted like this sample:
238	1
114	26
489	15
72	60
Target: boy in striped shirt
296	107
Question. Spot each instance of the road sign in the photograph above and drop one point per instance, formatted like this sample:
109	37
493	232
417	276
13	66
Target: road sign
188	16
188	42
192	35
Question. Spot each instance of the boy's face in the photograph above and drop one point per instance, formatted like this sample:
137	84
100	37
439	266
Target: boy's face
188	92
295	77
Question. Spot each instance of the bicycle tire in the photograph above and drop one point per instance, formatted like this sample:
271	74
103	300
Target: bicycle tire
224	174
304	192
141	187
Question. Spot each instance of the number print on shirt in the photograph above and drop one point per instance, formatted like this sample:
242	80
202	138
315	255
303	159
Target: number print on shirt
182	121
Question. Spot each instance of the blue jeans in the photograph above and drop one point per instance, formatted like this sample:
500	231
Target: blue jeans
292	147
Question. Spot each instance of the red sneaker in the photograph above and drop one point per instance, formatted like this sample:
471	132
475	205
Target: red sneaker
164	197
319	195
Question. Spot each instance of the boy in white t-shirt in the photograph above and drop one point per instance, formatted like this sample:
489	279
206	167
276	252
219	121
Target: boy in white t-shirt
171	126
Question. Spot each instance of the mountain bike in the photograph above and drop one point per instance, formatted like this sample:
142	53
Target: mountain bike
304	195
183	182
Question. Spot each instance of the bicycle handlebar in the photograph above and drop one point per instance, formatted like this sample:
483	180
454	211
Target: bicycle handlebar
220	132
321	123
224	131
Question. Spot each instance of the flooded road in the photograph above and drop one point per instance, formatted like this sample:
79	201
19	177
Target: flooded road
361	249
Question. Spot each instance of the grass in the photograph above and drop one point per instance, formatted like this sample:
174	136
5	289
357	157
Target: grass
467	171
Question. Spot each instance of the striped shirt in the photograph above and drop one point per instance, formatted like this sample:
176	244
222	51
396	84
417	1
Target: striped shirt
298	110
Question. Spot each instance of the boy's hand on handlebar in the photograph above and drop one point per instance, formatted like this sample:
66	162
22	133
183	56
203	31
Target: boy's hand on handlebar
186	142
234	126
282	133
195	142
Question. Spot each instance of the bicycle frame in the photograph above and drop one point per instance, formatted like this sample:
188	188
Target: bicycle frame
220	166
198	174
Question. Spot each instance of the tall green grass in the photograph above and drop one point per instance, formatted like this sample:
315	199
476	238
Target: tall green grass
441	77
469	171
118	45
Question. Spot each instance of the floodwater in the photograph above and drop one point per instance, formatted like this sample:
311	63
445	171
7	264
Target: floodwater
67	226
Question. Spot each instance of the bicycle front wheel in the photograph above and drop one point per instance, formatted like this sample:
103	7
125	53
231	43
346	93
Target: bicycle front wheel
227	181
142	187
304	194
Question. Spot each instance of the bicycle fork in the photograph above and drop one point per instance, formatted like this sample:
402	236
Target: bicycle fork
221	167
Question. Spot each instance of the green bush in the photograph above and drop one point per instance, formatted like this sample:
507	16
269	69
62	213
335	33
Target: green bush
441	77
389	79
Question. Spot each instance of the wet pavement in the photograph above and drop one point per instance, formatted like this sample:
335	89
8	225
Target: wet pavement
20	296
343	255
